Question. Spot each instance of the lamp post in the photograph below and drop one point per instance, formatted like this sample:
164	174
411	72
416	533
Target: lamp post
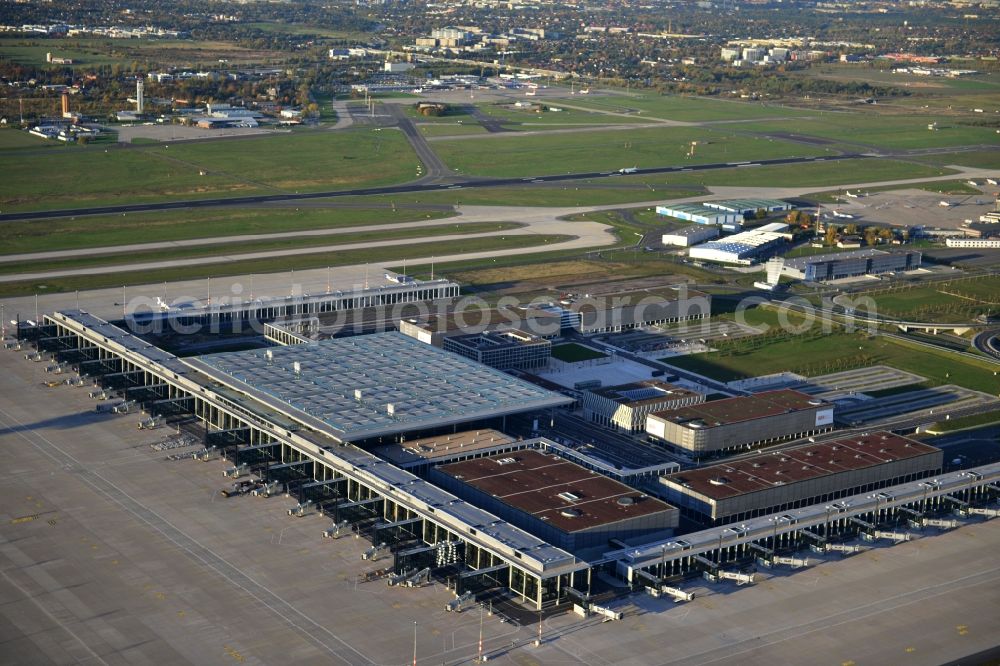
414	643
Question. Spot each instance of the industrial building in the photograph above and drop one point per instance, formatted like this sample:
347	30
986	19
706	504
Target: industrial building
800	476
824	267
504	350
625	407
561	502
700	214
742	423
688	236
742	249
748	207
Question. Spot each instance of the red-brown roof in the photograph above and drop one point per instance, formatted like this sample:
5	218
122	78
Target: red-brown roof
801	463
545	486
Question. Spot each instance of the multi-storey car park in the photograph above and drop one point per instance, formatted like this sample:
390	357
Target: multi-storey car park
741	423
264	416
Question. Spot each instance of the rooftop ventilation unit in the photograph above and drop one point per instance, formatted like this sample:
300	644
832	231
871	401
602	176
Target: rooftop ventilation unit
625	501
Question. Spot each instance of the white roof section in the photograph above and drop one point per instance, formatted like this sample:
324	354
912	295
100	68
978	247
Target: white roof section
372	385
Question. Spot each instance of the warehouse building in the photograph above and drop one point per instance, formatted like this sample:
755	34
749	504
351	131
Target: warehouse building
700	214
742	423
743	249
557	500
824	267
503	350
800	476
748	207
688	236
625	407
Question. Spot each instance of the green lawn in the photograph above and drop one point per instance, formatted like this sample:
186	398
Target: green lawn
693	109
295	162
813	174
884	131
277	264
814	354
450	128
106	231
982	159
13	139
512	155
572	353
966	422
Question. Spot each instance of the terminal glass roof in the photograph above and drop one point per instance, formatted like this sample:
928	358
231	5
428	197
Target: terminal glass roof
371	385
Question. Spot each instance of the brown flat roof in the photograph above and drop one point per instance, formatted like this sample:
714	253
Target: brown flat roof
565	495
645	392
800	463
440	446
742	408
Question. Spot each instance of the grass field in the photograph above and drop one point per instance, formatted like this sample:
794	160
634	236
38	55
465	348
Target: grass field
91	52
450	128
306	161
580	193
887	132
812	355
418	233
952	301
676	107
512	155
106	231
815	174
951	425
982	159
12	139
277	264
572	353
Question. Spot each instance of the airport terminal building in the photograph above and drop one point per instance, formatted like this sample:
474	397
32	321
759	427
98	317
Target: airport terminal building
567	505
800	476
